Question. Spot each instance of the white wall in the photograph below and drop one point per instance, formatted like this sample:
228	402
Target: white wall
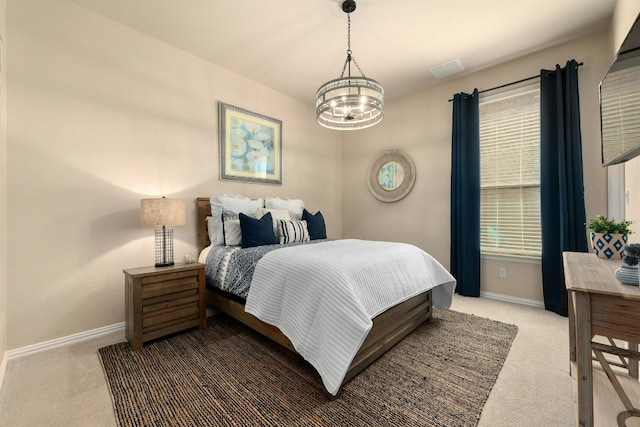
624	15
420	125
3	188
100	116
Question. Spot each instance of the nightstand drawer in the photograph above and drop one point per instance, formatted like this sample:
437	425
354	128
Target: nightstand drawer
162	318
178	282
169	302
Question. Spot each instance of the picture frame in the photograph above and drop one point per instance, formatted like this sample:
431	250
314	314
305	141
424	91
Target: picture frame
250	146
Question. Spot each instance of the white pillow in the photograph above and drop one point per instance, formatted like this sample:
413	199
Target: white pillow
295	206
293	231
231	228
210	225
276	214
230	203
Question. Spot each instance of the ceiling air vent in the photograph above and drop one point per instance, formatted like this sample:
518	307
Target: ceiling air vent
447	69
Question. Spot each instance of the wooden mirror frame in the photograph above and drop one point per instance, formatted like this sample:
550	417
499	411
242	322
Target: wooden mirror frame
404	188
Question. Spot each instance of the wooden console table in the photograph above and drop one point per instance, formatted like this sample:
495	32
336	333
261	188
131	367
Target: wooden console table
600	305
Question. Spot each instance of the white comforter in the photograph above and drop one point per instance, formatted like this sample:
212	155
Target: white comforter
323	296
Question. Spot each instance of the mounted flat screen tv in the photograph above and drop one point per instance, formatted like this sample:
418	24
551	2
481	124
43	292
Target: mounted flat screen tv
620	102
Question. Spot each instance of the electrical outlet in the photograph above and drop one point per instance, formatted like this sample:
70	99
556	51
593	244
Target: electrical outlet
502	272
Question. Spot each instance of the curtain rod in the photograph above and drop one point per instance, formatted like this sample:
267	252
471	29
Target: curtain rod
512	83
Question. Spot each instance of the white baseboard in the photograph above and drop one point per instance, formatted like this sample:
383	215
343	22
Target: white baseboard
516	300
59	342
95	333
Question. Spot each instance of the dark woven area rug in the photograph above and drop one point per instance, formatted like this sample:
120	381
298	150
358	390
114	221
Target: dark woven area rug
227	375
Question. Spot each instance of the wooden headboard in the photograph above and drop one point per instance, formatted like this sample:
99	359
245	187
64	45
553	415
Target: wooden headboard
203	208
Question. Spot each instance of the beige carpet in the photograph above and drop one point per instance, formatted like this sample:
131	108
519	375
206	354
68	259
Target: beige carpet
226	374
66	386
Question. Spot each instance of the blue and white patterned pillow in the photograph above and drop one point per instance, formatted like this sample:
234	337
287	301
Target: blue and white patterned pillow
292	231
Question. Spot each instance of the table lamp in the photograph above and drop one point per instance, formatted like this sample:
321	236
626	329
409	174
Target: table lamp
163	212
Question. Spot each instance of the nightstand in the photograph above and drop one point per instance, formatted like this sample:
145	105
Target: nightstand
163	300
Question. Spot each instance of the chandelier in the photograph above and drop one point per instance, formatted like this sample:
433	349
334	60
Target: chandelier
350	102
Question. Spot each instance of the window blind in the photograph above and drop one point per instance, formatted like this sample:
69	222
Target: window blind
510	172
620	109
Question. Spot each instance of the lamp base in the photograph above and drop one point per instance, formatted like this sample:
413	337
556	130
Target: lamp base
164	264
164	247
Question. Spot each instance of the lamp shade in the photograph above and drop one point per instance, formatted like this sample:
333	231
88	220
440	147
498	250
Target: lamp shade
162	211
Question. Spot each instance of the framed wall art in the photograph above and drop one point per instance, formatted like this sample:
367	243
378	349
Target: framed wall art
250	146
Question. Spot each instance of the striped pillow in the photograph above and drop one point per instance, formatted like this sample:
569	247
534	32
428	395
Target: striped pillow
292	231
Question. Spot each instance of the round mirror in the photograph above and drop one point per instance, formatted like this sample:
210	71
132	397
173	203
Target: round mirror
391	176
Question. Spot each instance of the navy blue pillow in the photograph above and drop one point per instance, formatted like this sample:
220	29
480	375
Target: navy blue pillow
315	224
257	232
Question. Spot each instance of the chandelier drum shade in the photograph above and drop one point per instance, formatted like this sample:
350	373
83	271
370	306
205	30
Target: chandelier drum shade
350	102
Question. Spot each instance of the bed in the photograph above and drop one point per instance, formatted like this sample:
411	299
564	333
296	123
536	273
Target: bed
388	327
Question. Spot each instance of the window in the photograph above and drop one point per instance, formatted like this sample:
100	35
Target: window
510	173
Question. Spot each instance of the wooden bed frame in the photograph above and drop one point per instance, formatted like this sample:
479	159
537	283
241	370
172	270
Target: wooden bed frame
388	328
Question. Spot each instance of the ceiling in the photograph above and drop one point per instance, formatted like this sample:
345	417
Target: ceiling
295	46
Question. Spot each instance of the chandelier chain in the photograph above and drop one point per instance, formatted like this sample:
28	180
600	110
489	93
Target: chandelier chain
348	34
349	52
357	66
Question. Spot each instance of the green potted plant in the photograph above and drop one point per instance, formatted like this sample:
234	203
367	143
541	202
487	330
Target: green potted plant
608	236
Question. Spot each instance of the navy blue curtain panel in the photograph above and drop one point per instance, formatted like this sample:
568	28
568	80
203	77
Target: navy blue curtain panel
465	194
561	179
